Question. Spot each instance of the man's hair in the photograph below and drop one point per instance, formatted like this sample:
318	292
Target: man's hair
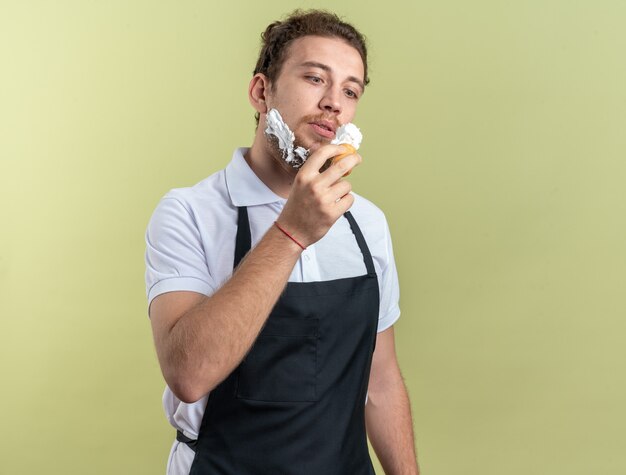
278	36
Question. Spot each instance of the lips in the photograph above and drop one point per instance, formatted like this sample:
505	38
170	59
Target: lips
324	128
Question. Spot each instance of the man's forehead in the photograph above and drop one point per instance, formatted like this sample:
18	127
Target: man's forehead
336	53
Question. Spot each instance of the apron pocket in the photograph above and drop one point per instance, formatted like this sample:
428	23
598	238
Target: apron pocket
281	366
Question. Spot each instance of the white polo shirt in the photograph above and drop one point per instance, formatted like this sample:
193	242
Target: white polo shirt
190	245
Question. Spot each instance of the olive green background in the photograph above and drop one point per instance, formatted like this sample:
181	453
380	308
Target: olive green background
494	142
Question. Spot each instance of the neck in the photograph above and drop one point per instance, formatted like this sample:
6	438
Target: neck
277	175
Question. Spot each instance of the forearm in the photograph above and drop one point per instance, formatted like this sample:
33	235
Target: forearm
201	340
211	339
390	429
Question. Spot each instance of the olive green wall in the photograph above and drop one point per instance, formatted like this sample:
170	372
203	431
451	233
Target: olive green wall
494	142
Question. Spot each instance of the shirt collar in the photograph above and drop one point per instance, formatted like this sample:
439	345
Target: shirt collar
244	187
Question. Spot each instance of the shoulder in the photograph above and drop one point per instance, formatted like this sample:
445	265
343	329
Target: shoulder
370	217
206	197
212	190
373	224
365	208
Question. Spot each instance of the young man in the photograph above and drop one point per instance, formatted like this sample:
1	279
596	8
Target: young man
280	366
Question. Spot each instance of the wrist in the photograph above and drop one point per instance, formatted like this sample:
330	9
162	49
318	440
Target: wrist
289	235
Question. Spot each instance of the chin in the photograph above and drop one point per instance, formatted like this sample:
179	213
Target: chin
312	145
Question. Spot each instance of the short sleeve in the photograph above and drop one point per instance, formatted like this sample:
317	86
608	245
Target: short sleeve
175	257
390	287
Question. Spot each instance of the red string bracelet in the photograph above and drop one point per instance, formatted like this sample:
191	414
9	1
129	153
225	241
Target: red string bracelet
289	235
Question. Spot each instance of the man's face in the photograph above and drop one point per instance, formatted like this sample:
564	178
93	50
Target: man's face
317	89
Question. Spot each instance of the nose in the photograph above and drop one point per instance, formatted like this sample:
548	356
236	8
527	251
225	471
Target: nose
331	102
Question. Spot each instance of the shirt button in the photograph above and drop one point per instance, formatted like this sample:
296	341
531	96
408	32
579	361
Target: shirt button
307	257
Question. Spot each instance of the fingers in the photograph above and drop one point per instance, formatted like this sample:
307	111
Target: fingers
340	190
339	169
345	203
311	167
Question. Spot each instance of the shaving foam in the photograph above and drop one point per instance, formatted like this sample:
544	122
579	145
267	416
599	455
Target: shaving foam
276	126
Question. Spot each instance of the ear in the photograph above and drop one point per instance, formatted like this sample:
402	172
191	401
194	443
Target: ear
257	91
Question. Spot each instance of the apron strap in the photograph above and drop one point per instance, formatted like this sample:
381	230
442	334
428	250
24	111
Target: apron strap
191	443
367	256
243	243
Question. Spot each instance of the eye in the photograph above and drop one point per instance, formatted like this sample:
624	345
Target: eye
314	79
350	93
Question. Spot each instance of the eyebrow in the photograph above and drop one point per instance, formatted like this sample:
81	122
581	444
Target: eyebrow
315	64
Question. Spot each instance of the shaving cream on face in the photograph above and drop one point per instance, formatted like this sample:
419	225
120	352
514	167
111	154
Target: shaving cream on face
350	134
276	126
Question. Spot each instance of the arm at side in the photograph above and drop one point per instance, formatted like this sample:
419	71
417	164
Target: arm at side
388	411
